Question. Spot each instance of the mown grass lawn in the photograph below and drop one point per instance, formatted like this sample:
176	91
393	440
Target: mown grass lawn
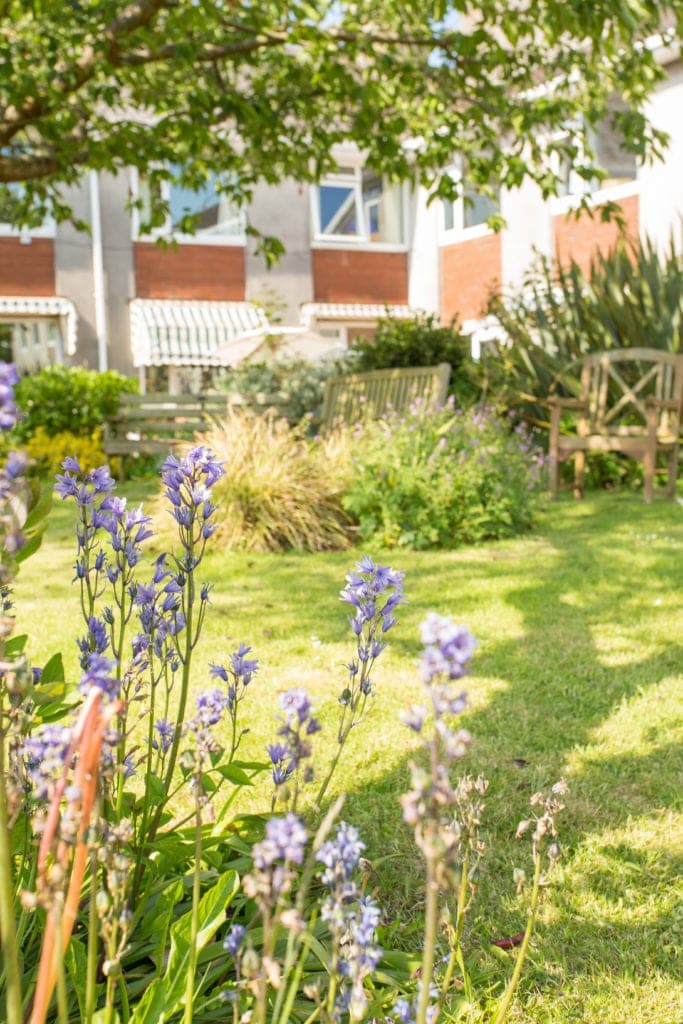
579	673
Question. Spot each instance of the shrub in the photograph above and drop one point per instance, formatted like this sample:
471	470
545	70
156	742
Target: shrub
295	385
442	478
48	453
280	490
63	398
423	341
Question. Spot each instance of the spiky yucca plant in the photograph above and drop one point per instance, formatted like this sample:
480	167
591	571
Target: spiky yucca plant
631	297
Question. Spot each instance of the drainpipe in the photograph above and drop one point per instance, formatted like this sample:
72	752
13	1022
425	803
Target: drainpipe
98	273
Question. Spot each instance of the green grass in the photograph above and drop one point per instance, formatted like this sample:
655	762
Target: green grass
578	672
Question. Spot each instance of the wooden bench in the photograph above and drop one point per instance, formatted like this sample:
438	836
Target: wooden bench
630	402
360	396
154	424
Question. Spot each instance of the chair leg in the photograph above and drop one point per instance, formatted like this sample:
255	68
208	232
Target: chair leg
673	473
579	474
649	473
553	473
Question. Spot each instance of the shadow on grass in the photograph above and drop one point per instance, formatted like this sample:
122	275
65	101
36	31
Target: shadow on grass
559	684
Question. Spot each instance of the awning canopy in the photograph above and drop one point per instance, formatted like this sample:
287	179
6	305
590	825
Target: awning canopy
21	307
167	332
311	312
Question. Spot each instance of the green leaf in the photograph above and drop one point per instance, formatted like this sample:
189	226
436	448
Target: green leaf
53	672
16	645
212	913
75	959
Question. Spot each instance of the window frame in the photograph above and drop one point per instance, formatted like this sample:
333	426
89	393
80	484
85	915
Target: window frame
166	231
353	178
595	193
459	232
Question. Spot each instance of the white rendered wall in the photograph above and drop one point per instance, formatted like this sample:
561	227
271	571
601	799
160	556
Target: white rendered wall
661	184
529	232
423	252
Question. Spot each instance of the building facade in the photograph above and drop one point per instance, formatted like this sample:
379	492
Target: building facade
356	245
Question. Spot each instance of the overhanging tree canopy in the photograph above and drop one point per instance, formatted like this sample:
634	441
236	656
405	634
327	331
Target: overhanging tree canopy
262	91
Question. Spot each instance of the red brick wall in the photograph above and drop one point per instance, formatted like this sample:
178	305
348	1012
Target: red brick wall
581	239
470	271
342	275
211	272
27	269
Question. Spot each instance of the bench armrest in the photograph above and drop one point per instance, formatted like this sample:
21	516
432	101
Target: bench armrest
662	403
566	403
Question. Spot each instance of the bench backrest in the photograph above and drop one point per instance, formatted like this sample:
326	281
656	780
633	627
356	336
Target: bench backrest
360	396
177	416
616	385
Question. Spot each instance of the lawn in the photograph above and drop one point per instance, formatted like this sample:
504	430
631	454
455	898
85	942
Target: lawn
578	673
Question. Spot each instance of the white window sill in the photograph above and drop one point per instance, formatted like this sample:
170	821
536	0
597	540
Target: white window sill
565	204
357	245
456	235
234	241
26	235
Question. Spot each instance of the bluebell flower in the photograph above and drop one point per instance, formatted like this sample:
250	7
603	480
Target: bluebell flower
285	841
99	673
9	378
166	731
340	856
44	755
448	648
234	939
210	707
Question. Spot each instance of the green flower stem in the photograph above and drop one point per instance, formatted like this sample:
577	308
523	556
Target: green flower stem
8	931
194	921
521	955
182	705
431	910
459	925
93	933
62	1004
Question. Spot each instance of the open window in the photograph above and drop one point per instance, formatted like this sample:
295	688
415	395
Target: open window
205	214
359	205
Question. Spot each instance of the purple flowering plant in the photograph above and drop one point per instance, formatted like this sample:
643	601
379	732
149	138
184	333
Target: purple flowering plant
123	840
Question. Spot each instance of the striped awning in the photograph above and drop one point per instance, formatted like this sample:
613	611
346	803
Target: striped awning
53	307
167	332
311	312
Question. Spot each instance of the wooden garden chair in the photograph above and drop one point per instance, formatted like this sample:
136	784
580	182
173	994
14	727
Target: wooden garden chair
630	402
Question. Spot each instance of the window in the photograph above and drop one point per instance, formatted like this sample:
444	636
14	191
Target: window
31	343
611	156
470	210
358	204
204	214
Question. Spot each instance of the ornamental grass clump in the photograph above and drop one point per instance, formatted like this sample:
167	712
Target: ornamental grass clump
438	478
128	892
280	490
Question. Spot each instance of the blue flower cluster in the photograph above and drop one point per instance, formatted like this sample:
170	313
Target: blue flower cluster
374	592
188	484
448	648
100	673
352	918
9	378
238	675
44	756
166	732
85	488
284	843
161	618
234	939
298	724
